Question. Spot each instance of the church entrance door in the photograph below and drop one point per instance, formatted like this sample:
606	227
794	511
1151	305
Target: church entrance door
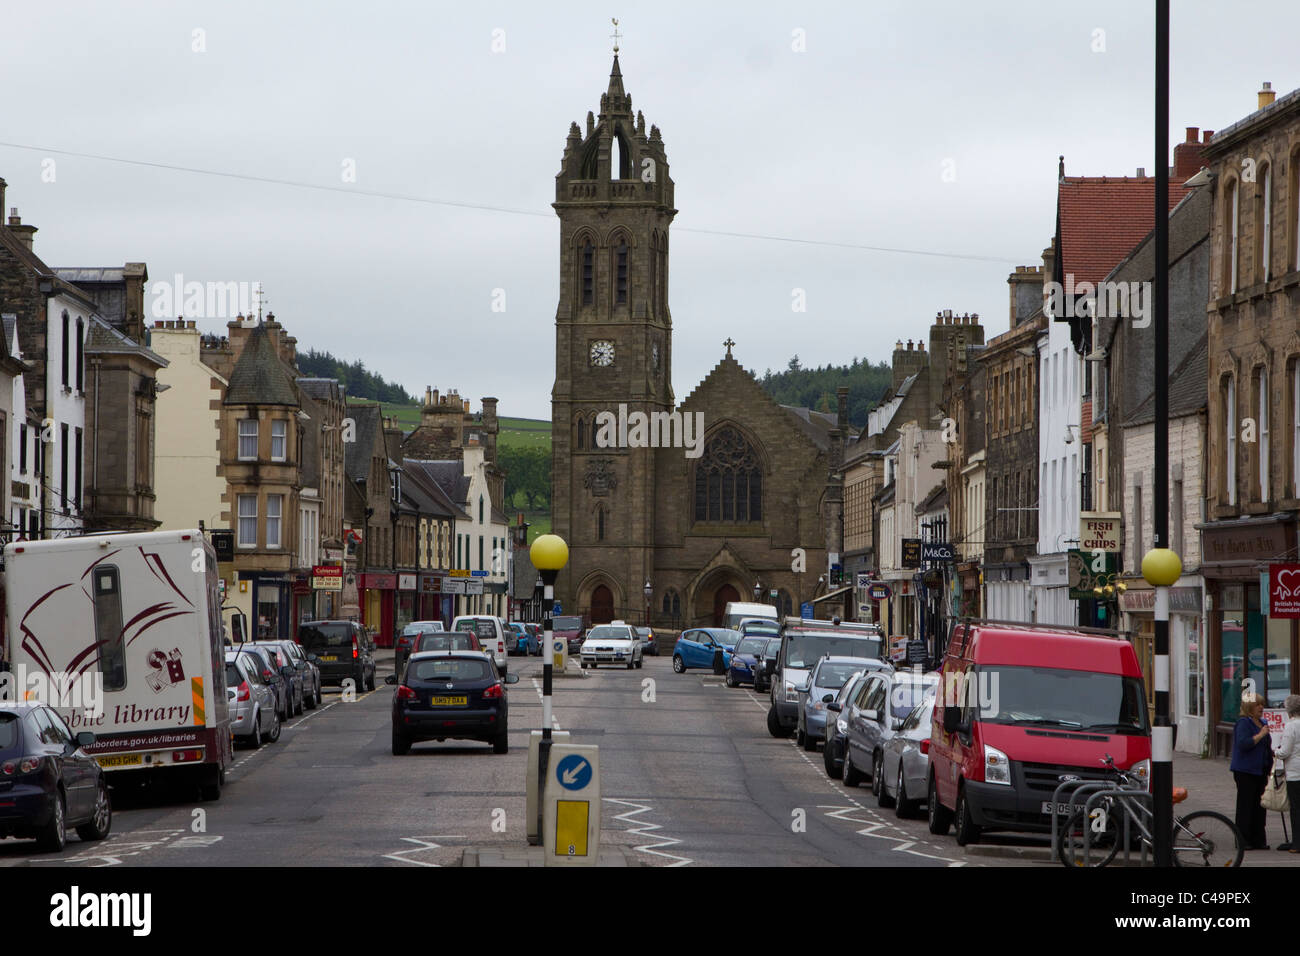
721	597
602	605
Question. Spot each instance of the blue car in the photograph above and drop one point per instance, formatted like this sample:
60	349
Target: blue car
698	646
521	640
745	660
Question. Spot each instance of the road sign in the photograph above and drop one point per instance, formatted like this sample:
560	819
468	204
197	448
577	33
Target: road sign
557	609
479	574
806	611
573	772
863	580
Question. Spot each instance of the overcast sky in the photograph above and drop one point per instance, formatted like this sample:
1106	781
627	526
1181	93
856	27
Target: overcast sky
845	143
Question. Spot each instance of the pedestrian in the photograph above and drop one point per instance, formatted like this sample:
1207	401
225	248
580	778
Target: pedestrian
1252	757
1289	750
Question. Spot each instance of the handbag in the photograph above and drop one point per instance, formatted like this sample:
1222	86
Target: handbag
1275	793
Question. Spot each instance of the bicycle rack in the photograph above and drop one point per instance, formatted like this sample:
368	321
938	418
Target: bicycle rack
1095	791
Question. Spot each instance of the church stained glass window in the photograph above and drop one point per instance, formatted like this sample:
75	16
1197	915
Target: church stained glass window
728	480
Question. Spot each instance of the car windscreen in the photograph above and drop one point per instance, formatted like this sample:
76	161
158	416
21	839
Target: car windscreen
450	669
753	646
567	624
315	636
447	642
412	629
1055	697
725	636
9	726
482	626
610	633
833	676
907	694
805	650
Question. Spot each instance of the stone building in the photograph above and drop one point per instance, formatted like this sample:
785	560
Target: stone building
324	402
1253	446
634	508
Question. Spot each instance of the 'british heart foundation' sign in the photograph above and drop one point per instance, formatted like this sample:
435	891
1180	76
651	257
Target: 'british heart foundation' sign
1284	590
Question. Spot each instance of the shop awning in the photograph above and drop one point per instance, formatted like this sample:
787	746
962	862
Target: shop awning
831	594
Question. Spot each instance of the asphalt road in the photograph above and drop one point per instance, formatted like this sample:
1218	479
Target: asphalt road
690	776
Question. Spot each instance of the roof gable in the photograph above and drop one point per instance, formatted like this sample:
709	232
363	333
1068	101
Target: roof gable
259	377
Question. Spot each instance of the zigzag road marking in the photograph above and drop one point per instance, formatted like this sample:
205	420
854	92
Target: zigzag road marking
421	844
645	828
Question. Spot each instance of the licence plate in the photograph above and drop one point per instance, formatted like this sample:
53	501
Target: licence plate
448	701
1061	808
329	657
121	760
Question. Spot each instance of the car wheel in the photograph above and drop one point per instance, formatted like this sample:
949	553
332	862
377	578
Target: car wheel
966	831
584	665
313	701
774	724
902	805
809	743
401	744
630	663
97	827
274	735
883	799
833	770
210	786
501	745
938	816
852	776
255	738
731	681
639	662
800	738
54	835
679	665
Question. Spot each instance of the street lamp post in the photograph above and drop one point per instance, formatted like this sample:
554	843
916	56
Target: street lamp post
758	591
549	554
648	591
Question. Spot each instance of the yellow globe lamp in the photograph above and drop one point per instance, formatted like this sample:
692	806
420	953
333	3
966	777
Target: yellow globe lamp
1161	567
549	553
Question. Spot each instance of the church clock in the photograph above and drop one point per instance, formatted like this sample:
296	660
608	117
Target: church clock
602	353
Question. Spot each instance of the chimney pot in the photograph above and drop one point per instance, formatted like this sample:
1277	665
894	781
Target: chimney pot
1192	134
1141	172
1266	96
1205	136
191	323
158	324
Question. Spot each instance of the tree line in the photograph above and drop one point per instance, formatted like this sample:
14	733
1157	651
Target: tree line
814	388
359	381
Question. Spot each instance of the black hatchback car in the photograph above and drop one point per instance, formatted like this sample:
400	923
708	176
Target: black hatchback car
343	649
450	694
47	781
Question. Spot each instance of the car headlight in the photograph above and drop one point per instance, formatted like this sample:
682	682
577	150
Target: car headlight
819	706
842	726
997	768
1142	771
791	692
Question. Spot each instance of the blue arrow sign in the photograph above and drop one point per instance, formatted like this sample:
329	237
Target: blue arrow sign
573	772
559	646
479	574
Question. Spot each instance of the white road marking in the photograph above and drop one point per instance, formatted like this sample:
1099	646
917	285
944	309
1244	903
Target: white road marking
422	844
642	827
537	686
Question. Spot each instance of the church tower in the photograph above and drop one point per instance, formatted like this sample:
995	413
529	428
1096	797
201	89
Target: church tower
613	347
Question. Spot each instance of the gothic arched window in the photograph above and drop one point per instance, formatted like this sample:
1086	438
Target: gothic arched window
588	273
620	272
728	480
600	524
582	434
594	430
654	273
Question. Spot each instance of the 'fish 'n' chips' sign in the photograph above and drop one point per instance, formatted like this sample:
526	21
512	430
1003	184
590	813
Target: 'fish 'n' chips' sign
1284	590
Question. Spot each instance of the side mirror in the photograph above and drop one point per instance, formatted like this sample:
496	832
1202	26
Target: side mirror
512	678
951	720
85	738
827	698
390	679
834	707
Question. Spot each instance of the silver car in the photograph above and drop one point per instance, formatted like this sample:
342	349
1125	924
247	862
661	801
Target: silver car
905	767
874	715
253	715
828	677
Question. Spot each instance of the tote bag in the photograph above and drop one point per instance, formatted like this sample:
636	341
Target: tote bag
1275	795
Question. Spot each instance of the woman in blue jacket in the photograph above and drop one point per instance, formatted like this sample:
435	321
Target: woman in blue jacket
1252	758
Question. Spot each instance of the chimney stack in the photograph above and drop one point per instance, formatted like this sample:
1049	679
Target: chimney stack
1266	96
1187	156
24	233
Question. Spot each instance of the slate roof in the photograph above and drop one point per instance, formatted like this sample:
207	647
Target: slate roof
1102	218
437	501
449	476
259	377
322	389
523	582
76	274
102	337
356	456
1187	388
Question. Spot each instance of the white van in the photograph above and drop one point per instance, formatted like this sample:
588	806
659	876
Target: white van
491	635
738	611
121	634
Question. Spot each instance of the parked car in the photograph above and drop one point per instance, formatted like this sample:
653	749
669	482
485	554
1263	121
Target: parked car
540	634
828	676
1020	706
648	643
269	668
448	641
47	780
458	695
833	751
295	676
491	635
907	762
759	627
571	629
763	676
803	644
614	643
523	641
745	661
405	643
697	647
253	714
874	715
343	649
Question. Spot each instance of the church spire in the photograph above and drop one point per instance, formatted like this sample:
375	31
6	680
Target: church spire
616	79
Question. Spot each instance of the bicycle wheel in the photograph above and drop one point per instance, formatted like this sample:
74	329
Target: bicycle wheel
1103	843
1206	838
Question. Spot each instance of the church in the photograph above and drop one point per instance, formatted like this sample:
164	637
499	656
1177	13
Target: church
750	506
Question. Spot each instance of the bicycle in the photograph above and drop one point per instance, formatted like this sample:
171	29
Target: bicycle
1202	838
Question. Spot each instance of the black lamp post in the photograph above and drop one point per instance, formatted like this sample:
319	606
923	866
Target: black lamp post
648	591
758	591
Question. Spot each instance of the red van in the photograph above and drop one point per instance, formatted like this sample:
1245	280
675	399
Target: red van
1018	706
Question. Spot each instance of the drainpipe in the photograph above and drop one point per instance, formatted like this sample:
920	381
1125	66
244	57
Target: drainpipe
94	469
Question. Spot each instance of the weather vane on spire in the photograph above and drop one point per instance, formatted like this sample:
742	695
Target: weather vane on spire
616	36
